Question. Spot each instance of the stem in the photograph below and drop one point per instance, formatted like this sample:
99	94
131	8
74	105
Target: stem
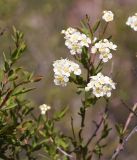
122	141
81	153
83	109
129	109
90	29
100	62
95	132
104	30
72	127
88	75
92	59
65	153
6	98
131	133
83	113
129	118
98	128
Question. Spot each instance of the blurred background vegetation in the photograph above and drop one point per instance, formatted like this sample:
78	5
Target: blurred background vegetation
42	21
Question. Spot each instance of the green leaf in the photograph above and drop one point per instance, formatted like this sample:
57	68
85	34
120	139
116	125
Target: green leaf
90	101
61	142
4	56
27	124
98	150
105	131
9	107
24	90
84	57
119	129
18	52
80	90
109	37
6	66
95	27
59	115
1	74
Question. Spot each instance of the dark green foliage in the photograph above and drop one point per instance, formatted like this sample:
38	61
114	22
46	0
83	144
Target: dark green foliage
20	131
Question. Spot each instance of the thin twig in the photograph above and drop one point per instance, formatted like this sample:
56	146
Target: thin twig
65	153
83	114
92	59
104	30
72	127
100	62
129	118
61	150
127	107
96	130
6	98
98	126
122	141
131	133
91	32
120	147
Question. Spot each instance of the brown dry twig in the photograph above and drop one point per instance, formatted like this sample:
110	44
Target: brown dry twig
123	140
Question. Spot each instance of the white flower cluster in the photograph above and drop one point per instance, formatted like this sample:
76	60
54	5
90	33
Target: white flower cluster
132	22
104	47
75	40
108	16
44	108
100	85
62	70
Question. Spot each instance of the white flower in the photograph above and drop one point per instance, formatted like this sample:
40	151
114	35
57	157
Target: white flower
61	80
95	39
75	40
63	69
132	22
93	50
105	56
44	108
100	85
108	16
104	48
